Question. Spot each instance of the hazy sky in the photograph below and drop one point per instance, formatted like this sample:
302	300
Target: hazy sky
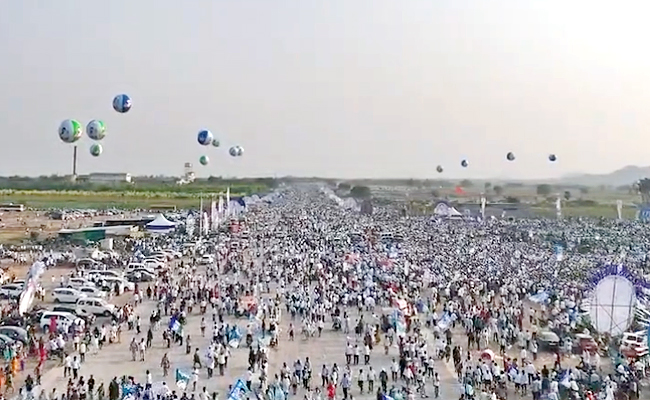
338	88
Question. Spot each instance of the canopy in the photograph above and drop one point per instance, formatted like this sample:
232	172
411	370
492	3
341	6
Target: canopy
445	210
161	225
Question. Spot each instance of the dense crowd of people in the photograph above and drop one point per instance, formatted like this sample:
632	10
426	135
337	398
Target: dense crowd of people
422	308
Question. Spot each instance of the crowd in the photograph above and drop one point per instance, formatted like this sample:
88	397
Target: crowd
412	301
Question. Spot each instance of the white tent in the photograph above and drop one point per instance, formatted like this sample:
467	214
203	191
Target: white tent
160	225
443	210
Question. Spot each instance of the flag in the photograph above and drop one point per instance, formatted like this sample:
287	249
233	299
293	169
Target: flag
238	390
213	215
228	201
174	325
220	206
386	397
182	379
459	190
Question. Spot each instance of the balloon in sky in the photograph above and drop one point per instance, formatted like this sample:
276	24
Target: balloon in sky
216	142
204	137
552	157
464	163
233	151
439	169
510	156
122	103
96	130
204	160
96	149
70	131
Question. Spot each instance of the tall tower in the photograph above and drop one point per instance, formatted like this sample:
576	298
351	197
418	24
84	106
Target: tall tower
188	172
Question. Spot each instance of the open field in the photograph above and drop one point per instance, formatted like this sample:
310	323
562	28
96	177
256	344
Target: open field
104	200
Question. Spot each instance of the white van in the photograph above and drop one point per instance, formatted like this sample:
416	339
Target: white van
66	295
95	306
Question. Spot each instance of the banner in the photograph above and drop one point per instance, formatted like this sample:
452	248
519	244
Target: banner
238	391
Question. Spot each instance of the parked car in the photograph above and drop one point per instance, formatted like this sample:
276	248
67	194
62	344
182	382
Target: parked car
140	276
63	320
16	333
66	295
206	259
548	340
96	306
79	282
11	290
7	341
88	318
92	291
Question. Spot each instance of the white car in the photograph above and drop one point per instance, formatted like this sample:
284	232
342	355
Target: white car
79	282
95	306
153	264
63	320
207	259
92	291
66	295
123	285
11	290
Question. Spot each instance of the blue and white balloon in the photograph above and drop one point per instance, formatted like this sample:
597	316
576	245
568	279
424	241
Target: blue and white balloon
233	151
204	137
122	103
96	130
240	151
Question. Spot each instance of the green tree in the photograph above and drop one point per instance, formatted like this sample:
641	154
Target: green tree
584	190
498	190
567	195
360	192
544	189
344	186
435	193
466	183
487	186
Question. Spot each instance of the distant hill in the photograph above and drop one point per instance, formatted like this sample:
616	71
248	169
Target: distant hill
624	176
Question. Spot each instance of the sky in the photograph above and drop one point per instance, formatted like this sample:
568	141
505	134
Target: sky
331	88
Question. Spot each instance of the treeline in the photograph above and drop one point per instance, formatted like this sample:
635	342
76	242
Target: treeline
140	184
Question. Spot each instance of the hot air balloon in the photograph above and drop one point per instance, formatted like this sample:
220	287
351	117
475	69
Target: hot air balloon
96	130
122	103
216	142
510	156
439	169
204	137
96	150
233	151
552	157
204	160
70	131
464	163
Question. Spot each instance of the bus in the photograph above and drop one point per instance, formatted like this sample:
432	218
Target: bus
12	207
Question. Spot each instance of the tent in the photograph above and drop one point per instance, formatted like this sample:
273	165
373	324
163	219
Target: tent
444	210
160	225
